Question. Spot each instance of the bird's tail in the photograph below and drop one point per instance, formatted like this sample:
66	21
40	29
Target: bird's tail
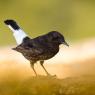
18	33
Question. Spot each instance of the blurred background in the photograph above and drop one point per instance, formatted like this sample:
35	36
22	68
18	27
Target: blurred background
74	18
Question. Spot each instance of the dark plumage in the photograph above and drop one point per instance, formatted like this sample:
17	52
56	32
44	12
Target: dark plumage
41	48
12	23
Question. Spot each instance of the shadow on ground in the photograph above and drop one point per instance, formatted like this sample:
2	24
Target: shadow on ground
43	85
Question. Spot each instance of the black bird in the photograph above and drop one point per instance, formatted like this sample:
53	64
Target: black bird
37	49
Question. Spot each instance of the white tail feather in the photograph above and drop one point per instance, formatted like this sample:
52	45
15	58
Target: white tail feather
19	35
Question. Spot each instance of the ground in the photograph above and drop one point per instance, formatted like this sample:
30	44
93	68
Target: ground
46	85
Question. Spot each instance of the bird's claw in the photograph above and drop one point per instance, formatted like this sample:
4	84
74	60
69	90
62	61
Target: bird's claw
51	75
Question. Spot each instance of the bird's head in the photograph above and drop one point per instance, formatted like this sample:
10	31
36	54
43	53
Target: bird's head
57	37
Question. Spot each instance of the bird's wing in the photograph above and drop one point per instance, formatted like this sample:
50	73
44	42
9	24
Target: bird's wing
33	49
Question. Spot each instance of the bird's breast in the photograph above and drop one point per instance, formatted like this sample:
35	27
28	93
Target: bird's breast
49	53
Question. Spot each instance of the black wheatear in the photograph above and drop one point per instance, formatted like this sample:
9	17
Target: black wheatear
37	49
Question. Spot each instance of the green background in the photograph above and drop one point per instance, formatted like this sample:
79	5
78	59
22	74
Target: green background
74	18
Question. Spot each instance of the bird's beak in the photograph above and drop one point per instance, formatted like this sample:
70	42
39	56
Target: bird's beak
65	43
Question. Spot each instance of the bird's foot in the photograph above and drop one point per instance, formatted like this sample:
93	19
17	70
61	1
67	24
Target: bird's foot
51	75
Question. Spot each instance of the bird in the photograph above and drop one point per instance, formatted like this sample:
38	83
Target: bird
38	49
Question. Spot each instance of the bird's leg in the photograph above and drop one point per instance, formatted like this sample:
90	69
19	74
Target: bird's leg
42	62
32	65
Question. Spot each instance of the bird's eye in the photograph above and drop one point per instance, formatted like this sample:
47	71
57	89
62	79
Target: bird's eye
56	38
